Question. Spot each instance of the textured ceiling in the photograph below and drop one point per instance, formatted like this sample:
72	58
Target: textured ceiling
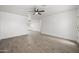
28	9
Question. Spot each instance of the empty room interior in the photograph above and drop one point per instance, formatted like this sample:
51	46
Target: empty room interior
39	28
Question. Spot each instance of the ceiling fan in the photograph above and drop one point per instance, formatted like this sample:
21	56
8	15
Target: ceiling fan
38	12
35	10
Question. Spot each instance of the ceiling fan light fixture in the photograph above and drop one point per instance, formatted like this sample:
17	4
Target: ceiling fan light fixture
36	13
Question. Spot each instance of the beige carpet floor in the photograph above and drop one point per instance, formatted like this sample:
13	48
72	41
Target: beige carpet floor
36	42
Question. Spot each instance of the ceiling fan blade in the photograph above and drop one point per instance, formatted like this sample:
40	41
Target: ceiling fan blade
35	9
33	13
39	13
42	11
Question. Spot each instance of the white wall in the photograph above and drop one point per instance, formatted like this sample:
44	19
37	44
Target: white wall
60	24
78	25
12	25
